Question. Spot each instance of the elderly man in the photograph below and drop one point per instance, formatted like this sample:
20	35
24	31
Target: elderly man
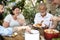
43	17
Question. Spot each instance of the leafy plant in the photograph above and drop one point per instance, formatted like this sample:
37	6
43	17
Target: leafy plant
21	4
28	11
29	15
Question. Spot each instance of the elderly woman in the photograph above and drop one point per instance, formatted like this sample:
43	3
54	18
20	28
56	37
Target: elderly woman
15	18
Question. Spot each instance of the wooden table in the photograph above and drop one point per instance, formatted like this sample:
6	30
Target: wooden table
20	36
17	37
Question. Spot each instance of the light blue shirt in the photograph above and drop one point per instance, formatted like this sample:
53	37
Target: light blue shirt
6	31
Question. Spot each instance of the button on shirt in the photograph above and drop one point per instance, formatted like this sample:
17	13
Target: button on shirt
46	19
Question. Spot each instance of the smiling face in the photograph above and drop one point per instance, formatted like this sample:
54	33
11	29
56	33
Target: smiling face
16	11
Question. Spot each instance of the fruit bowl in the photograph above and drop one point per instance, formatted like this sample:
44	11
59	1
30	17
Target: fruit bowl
51	33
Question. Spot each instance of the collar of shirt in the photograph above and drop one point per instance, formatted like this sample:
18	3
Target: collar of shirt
46	16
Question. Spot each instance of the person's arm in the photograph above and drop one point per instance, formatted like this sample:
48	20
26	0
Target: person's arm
9	31
6	21
27	28
5	24
58	18
54	22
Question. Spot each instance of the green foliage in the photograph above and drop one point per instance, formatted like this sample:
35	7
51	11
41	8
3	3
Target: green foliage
29	15
4	15
12	0
21	4
56	39
39	1
28	10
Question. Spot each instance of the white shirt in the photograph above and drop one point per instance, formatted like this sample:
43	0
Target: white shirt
11	21
46	19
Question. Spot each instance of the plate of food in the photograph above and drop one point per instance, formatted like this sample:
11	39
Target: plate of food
37	25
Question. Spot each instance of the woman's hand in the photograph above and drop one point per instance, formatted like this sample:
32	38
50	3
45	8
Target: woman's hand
27	28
